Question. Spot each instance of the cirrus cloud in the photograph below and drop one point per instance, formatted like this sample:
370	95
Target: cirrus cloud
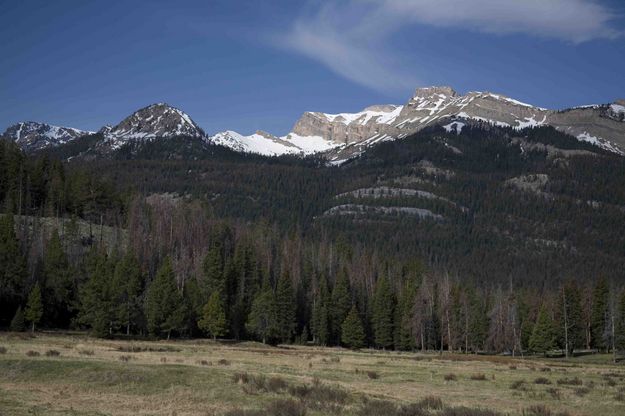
352	38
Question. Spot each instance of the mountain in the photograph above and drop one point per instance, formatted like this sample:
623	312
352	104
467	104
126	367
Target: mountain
154	121
32	136
353	133
340	137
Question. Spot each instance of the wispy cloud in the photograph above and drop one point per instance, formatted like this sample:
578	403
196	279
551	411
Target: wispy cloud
352	37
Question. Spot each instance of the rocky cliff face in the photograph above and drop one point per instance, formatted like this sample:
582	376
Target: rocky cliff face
353	132
33	136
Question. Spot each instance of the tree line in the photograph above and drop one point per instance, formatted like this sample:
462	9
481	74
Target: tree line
271	292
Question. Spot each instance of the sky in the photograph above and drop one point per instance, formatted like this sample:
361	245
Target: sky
250	65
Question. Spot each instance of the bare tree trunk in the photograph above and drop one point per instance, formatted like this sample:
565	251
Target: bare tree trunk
566	325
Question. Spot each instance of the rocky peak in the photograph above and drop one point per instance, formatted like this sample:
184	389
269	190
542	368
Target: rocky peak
32	136
428	92
156	120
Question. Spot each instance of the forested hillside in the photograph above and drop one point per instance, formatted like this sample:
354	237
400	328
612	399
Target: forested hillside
483	240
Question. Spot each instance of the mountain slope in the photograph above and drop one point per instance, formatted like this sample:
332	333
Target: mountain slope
32	136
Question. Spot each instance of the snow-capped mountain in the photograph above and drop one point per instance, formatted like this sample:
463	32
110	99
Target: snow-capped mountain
345	135
355	132
154	121
32	136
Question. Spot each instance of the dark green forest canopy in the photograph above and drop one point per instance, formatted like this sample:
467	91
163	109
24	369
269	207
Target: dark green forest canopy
506	214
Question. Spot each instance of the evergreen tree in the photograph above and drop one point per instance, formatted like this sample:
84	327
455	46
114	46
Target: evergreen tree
97	301
12	269
321	316
340	305
599	314
59	286
285	308
570	321
128	287
213	267
620	335
17	323
382	319
543	335
164	309
352	332
263	319
404	338
34	307
213	317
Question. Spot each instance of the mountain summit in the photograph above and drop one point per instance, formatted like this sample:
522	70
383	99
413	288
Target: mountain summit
156	120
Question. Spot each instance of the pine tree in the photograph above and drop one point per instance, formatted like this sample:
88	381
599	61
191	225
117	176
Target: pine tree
352	332
58	283
17	323
599	312
97	302
213	317
382	318
620	336
34	307
285	308
570	321
404	338
262	320
340	305
543	335
213	267
164	308
321	316
128	287
12	268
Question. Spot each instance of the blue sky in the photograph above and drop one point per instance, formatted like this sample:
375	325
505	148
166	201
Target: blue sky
247	65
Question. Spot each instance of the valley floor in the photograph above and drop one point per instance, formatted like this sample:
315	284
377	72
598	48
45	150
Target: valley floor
79	375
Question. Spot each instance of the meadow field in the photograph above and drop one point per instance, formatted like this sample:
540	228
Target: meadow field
73	374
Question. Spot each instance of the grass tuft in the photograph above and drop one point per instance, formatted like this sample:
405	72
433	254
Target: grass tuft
31	353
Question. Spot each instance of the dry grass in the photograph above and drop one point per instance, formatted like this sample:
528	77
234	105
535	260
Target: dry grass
178	377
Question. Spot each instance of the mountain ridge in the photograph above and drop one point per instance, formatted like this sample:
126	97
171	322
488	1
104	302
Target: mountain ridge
342	136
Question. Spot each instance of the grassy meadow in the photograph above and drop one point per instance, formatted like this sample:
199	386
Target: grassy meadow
61	374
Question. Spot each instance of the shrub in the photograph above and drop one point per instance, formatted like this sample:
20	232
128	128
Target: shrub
163	359
335	359
542	380
3	350
555	393
223	361
378	408
124	358
204	362
450	377
52	353
478	377
610	382
519	385
317	396
32	353
86	352
276	384
373	375
286	407
570	381
538	410
465	411
512	367
581	391
545	369
431	402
